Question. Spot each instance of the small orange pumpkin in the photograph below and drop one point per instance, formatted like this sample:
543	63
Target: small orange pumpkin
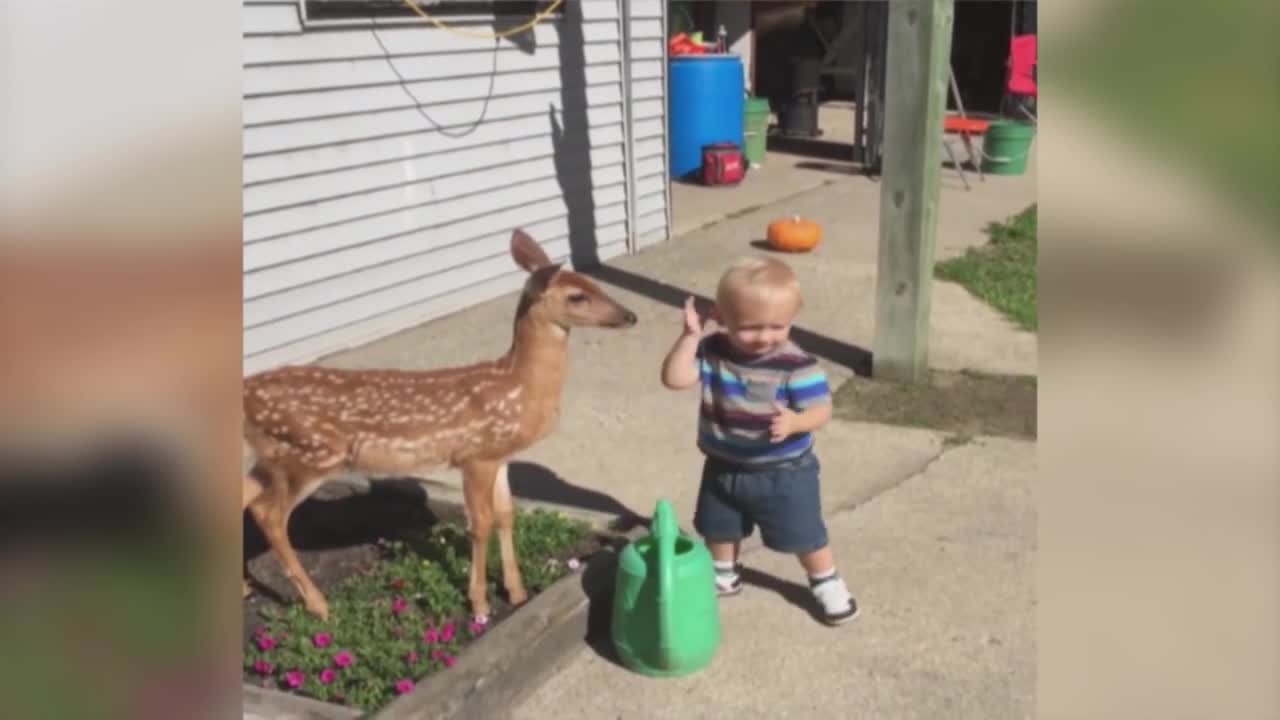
794	235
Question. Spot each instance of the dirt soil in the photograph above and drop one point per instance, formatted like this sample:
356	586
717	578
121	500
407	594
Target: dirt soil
965	404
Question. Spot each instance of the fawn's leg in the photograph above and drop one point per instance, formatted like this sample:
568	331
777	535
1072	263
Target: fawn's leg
251	489
477	486
271	511
250	492
504	517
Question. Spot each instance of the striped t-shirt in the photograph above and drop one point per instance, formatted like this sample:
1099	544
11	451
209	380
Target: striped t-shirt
738	396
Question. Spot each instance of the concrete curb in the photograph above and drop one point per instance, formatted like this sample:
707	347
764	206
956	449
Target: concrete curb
504	665
276	705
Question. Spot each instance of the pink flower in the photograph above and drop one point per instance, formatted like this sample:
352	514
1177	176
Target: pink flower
430	637
343	658
446	632
449	660
266	642
322	640
262	667
404	686
260	631
328	675
412	657
476	627
399	605
294	678
437	654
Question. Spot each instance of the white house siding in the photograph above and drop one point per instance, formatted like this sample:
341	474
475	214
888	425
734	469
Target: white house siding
649	118
362	219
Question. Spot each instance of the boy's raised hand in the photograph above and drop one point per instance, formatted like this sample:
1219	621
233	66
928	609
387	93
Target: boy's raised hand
693	324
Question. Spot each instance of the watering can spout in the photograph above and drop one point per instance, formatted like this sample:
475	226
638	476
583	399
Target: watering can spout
665	532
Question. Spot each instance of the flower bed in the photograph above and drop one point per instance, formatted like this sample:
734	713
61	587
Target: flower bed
404	618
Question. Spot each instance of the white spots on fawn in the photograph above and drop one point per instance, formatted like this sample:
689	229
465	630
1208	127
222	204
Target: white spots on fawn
374	420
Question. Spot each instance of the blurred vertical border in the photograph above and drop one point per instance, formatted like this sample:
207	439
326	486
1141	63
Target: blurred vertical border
1159	494
120	359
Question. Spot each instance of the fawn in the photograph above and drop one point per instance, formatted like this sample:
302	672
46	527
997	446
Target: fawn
306	424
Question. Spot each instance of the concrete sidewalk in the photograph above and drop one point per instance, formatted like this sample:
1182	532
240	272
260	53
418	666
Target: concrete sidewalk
943	567
936	540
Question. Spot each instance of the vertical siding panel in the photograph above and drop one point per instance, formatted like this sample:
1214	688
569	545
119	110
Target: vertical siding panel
648	87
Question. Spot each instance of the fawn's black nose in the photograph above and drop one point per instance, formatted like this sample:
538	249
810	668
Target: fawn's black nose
629	318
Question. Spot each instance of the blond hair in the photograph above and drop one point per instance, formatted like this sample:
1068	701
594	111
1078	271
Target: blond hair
755	279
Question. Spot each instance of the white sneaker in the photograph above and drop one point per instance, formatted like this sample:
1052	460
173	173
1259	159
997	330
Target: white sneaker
731	585
838	605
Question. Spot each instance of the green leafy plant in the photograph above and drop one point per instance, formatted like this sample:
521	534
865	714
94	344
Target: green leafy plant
403	619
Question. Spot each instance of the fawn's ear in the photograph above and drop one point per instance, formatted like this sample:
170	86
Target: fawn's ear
540	280
527	253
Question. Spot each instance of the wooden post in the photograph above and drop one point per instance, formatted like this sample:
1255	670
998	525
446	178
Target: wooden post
918	56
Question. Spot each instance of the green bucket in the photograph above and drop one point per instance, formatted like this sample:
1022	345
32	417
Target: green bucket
755	126
1006	146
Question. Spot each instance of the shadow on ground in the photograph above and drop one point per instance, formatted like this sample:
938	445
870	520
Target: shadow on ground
839	168
811	147
793	592
853	357
335	532
530	481
598	584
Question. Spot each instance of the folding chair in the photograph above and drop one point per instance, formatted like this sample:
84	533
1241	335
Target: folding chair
967	128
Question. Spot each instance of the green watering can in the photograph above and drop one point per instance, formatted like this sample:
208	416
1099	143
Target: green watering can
666	618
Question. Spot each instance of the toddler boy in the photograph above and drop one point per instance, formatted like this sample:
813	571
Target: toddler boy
762	399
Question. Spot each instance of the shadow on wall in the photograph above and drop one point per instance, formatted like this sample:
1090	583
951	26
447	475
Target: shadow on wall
514	14
571	141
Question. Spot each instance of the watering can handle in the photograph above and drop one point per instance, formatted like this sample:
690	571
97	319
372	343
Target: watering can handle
665	532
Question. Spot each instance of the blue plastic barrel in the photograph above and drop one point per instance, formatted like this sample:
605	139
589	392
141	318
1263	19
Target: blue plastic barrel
705	102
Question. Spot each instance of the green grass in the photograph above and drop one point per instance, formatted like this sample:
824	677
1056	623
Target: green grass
403	619
1002	272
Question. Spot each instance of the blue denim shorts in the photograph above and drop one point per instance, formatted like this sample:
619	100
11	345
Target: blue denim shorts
782	499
